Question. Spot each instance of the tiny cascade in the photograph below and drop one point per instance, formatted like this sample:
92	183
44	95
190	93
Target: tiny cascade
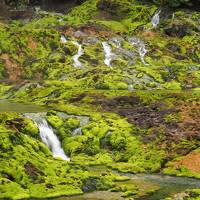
48	137
51	140
108	54
77	131
141	48
76	57
156	19
117	41
142	52
83	121
63	40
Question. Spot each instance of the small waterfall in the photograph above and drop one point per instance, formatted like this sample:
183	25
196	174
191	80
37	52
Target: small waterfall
76	57
108	54
142	52
156	19
77	131
63	40
141	48
83	121
48	137
117	41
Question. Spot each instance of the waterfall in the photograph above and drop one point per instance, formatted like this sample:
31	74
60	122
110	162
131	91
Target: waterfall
76	57
141	48
156	19
48	137
51	140
83	121
142	52
108	54
63	40
77	131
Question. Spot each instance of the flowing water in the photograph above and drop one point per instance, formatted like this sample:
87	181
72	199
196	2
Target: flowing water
108	54
76	57
156	19
51	140
166	186
63	40
37	114
47	135
141	48
77	131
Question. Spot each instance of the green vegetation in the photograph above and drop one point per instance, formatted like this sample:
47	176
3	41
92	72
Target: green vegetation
131	117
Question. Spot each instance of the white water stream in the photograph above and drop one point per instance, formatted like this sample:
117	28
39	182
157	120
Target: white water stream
156	19
108	54
48	137
63	40
141	48
76	57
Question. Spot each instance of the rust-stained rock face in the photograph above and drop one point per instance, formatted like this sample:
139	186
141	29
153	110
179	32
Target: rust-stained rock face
13	69
190	161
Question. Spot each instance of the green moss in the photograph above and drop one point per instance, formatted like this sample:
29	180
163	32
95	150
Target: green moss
12	190
55	121
173	85
73	123
30	128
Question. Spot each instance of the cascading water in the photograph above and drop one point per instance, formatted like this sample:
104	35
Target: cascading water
156	19
76	57
77	131
51	140
108	53
48	137
83	121
63	40
141	48
142	52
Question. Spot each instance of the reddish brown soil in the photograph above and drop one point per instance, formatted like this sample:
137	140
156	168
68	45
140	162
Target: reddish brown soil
191	161
89	30
32	44
13	69
149	35
190	122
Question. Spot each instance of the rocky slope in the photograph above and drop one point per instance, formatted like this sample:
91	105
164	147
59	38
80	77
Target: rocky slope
136	81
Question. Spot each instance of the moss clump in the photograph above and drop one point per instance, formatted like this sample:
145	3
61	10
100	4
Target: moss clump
30	128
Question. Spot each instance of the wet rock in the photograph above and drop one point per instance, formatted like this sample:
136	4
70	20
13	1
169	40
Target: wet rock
15	124
180	57
32	171
173	47
67	50
178	30
90	185
79	34
57	57
90	40
114	7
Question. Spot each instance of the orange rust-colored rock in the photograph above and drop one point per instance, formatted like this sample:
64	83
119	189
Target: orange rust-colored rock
149	34
191	162
32	44
13	70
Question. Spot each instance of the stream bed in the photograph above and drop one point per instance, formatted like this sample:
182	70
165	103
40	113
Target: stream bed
163	186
